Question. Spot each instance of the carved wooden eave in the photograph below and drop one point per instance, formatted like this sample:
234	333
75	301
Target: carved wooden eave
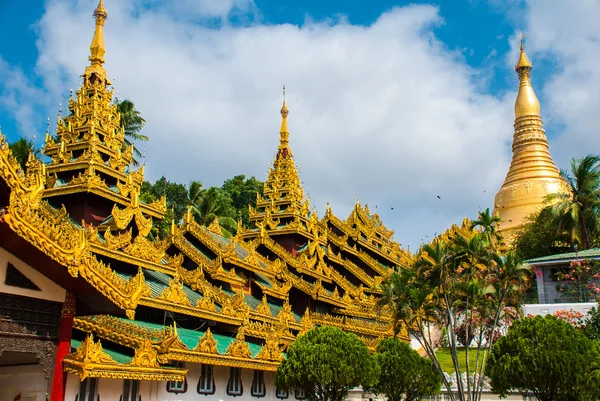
90	360
102	192
165	345
226	252
52	232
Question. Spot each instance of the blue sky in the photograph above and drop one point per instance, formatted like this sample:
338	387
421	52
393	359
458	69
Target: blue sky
394	102
476	29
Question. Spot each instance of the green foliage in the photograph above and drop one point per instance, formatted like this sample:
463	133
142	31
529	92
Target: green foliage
444	356
461	278
404	373
576	212
176	195
225	204
540	236
132	121
21	149
242	191
591	327
327	362
548	357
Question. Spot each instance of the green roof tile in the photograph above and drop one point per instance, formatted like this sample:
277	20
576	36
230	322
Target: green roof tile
586	254
117	356
191	337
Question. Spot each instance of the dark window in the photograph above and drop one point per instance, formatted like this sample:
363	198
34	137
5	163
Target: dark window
206	383
258	384
88	390
234	385
177	387
300	394
281	394
15	278
131	390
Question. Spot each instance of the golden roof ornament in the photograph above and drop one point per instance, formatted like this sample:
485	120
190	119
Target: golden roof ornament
97	47
532	173
523	61
284	134
527	103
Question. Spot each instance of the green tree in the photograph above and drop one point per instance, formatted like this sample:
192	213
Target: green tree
405	375
540	236
176	196
591	326
548	357
460	281
242	192
327	362
21	149
133	122
577	211
210	204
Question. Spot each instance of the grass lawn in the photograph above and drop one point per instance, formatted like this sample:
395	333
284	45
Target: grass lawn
443	355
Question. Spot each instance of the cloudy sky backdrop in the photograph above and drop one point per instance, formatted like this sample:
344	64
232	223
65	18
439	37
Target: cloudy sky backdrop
390	102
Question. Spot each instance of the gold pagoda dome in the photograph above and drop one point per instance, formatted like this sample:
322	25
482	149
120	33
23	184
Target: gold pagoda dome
532	173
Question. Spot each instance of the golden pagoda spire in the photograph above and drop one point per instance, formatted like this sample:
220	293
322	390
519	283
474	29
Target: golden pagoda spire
97	48
532	173
527	103
284	134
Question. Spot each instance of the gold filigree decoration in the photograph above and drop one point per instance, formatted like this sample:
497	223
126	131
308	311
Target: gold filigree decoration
207	344
263	308
90	351
285	314
271	350
206	303
144	224
122	217
145	249
117	241
239	348
215	227
146	356
175	293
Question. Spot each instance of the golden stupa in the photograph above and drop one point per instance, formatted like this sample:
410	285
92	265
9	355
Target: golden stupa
532	174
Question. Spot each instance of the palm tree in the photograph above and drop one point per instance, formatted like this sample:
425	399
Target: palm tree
132	121
21	149
489	227
577	210
210	204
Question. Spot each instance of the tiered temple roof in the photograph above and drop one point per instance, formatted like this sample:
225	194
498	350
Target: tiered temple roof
194	296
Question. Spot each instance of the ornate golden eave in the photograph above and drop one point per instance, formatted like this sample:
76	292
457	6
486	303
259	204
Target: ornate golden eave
90	360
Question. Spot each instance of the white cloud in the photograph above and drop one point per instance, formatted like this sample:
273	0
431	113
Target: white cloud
566	34
16	96
383	111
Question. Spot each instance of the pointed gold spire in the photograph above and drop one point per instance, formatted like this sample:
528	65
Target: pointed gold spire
97	48
527	103
523	60
284	133
532	173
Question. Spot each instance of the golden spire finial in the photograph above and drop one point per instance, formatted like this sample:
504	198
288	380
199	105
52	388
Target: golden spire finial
284	134
523	60
527	103
97	49
284	113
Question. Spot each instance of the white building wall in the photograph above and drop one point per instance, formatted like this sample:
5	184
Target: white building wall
549	309
112	389
29	381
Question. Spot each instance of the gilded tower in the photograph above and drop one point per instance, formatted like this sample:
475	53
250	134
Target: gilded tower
532	174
